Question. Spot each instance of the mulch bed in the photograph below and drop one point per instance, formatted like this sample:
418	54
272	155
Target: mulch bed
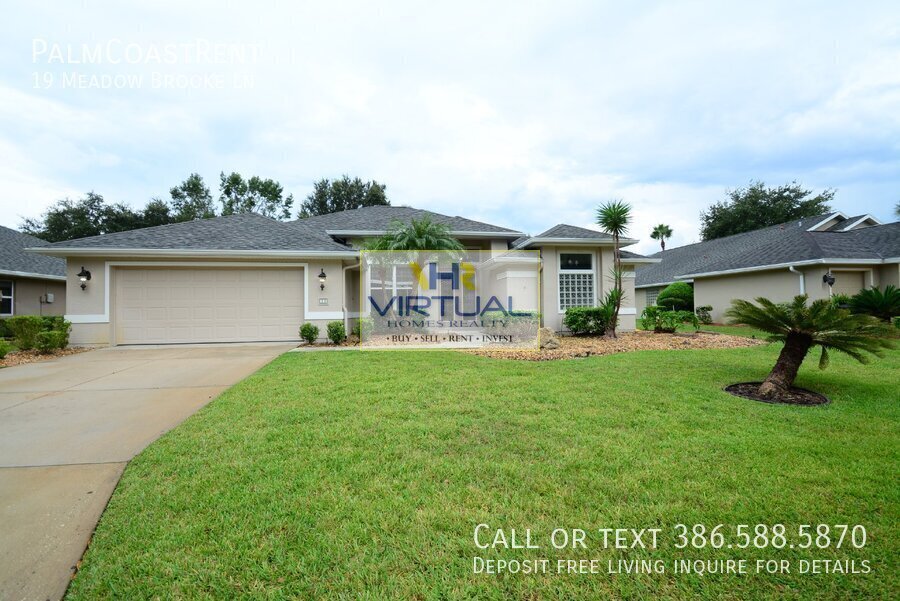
23	357
796	396
587	346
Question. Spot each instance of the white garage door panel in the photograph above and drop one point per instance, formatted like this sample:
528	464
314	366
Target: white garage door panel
155	306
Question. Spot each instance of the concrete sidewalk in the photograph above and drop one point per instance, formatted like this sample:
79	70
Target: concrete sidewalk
68	426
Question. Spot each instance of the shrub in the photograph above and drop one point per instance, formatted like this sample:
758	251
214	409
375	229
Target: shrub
363	326
47	342
309	333
661	321
5	332
841	301
874	302
336	332
587	320
677	296
25	329
703	314
5	348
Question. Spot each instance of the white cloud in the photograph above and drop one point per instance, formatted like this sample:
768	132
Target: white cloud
523	115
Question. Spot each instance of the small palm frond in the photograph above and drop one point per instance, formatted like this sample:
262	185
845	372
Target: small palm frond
614	217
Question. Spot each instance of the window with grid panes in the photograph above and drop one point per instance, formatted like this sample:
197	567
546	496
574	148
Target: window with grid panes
576	280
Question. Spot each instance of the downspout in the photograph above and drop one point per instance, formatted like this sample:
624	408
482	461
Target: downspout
344	284
793	269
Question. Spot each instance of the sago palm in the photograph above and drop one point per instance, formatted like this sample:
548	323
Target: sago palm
801	326
872	301
661	232
418	234
614	217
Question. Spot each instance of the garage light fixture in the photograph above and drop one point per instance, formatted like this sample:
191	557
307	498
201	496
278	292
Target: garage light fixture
322	277
84	275
828	278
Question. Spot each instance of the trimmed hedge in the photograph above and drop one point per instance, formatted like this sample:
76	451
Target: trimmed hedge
677	296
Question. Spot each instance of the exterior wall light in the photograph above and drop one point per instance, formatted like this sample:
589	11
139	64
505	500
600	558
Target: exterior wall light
84	275
828	278
322	277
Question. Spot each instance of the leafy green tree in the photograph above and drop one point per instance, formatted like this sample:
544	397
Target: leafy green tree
91	216
873	301
256	195
801	326
341	195
418	234
661	232
70	219
758	206
191	200
157	212
614	217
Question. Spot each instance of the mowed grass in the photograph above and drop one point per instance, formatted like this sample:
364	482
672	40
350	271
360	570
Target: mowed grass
345	475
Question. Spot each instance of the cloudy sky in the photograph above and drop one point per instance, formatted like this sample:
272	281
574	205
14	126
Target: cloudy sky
519	114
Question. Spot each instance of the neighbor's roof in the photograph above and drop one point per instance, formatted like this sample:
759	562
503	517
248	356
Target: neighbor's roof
378	219
775	246
249	233
15	261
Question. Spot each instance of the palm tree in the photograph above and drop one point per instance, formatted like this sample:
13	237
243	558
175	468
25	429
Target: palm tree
800	327
613	217
418	234
661	232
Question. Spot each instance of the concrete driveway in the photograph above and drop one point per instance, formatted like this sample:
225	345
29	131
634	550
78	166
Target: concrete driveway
68	426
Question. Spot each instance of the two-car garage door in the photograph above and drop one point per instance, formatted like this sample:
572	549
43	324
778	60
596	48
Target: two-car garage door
179	305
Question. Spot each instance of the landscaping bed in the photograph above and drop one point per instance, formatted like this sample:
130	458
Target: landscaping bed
794	396
571	347
33	356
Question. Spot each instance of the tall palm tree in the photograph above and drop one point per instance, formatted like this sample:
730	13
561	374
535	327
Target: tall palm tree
418	234
614	217
661	232
800	327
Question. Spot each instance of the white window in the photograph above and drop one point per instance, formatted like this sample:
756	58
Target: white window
652	293
576	280
6	298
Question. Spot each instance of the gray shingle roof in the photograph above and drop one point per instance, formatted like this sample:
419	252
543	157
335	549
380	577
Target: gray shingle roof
563	230
775	245
247	231
380	218
14	258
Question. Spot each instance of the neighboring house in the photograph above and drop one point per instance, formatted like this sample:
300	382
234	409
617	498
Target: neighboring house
780	262
30	284
251	278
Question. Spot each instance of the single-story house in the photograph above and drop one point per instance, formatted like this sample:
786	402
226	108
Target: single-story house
780	262
251	278
30	284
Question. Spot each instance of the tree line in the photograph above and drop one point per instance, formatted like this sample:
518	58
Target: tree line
192	199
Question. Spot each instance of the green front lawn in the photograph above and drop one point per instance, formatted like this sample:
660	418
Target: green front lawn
363	474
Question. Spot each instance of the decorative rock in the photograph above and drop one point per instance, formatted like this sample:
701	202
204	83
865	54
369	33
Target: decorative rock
548	339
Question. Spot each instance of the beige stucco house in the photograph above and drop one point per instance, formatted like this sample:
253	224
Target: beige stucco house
780	262
251	278
30	284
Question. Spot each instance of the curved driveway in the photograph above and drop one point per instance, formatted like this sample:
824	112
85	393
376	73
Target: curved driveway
68	426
